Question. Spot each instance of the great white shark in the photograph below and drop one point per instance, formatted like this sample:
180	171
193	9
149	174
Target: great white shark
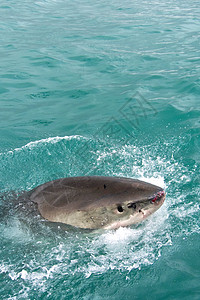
95	202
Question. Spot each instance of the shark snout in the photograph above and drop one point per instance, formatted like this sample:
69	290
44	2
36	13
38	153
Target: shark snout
158	198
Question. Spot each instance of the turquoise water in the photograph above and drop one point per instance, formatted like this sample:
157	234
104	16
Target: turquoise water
106	88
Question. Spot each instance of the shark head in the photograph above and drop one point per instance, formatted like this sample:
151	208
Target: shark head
94	202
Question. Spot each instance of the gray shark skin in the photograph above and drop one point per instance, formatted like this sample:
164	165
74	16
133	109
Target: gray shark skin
95	202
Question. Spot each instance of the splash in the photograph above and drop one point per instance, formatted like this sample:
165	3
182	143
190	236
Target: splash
50	140
52	252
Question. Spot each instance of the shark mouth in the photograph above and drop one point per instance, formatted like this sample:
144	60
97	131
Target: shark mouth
158	196
140	214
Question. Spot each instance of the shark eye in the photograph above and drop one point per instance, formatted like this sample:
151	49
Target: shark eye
120	208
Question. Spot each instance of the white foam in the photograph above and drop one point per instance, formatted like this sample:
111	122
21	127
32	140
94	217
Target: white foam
52	140
37	276
129	248
16	232
3	268
159	181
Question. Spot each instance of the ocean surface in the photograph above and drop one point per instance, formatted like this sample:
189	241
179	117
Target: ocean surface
100	88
